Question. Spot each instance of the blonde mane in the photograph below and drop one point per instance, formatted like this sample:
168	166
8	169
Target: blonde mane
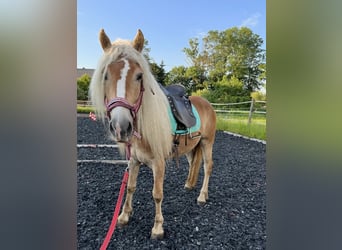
152	118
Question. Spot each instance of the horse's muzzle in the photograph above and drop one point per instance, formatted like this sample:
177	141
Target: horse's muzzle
121	126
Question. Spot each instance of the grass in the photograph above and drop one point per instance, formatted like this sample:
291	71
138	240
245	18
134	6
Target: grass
81	109
239	125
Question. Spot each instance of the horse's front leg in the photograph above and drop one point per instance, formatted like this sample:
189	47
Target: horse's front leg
158	168
127	210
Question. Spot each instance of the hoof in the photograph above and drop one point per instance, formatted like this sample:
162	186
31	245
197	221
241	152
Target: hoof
123	219
202	198
188	188
201	203
121	225
157	236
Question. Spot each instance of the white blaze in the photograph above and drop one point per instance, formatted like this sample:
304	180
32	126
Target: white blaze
121	85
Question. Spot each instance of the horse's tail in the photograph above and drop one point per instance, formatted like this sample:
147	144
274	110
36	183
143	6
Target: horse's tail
194	167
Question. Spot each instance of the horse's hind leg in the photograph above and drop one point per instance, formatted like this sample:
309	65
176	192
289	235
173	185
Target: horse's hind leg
127	210
207	149
194	159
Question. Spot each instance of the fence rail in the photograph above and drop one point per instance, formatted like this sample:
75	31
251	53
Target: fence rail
84	103
232	110
227	109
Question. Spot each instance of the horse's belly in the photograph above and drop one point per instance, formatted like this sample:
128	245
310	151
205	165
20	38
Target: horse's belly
186	144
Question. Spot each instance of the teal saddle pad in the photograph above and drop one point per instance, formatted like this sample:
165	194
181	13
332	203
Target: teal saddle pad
173	121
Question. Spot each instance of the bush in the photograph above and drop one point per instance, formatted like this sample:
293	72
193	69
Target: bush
83	87
225	91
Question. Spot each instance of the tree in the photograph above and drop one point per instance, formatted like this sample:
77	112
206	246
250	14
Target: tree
179	75
146	51
258	96
262	76
227	90
197	72
158	72
176	75
197	77
83	87
193	52
235	52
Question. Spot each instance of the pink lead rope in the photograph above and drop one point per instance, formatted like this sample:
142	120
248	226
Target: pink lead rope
118	203
121	102
116	212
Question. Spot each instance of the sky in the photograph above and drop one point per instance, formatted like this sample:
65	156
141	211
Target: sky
168	25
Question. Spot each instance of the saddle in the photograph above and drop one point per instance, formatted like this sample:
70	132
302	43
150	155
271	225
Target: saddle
180	106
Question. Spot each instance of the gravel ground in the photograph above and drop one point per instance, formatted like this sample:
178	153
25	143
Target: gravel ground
233	218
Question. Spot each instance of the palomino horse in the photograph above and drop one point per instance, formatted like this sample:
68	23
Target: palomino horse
124	90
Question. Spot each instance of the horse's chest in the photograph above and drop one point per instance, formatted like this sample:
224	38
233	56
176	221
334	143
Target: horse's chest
142	155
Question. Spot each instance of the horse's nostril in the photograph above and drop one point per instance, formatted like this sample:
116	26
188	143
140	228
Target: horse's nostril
129	128
111	128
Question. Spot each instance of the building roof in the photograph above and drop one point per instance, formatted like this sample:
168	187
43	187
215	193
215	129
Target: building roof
82	71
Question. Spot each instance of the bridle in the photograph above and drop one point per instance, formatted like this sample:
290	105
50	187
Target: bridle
122	102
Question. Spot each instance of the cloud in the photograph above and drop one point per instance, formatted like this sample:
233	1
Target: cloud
251	21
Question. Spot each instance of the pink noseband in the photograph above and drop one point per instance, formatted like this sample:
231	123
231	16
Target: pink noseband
122	102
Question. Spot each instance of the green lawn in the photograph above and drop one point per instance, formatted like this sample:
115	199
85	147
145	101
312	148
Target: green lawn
81	109
239	125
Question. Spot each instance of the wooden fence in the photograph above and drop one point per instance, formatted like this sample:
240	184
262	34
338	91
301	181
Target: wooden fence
227	109
247	108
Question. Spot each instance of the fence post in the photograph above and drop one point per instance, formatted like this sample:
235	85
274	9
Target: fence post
250	112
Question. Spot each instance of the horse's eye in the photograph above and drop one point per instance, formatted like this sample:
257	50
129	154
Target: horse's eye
139	76
105	77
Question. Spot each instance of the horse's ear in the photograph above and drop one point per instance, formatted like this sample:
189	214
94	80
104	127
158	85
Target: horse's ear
104	40
138	42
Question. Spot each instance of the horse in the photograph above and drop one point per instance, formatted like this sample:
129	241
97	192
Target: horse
125	93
